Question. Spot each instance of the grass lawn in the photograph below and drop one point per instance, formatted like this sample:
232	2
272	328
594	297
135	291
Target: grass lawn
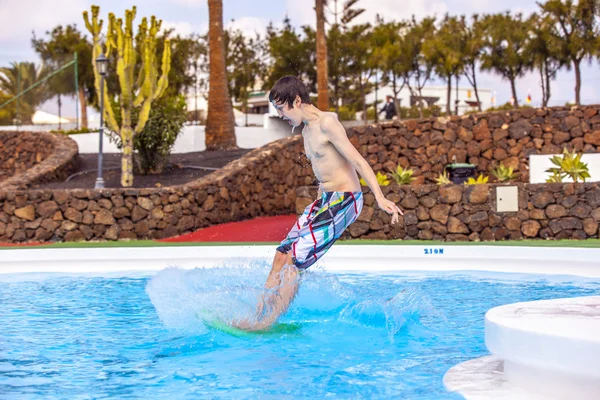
589	243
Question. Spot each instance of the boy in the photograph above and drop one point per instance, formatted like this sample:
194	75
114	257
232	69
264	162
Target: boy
335	162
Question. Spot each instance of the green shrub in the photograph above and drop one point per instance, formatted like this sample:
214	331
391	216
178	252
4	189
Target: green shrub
568	165
504	174
382	180
402	176
153	144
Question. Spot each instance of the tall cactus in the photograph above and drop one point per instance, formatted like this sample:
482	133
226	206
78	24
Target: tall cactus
147	85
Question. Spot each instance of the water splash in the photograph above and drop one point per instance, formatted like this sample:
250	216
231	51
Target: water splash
186	299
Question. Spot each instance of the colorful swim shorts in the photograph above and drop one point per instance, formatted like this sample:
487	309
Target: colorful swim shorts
321	224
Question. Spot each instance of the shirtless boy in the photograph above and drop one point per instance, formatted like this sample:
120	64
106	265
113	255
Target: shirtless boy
335	162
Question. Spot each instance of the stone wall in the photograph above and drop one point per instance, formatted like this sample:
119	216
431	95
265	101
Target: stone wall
264	183
484	140
27	158
261	183
468	213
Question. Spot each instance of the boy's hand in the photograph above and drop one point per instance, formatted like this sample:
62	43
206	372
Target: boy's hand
390	208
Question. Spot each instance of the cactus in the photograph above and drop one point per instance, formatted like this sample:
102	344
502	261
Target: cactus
147	84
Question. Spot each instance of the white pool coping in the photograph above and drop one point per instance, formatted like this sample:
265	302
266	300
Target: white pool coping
583	262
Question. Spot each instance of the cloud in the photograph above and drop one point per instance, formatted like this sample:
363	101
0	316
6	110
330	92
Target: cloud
250	26
20	17
183	28
192	3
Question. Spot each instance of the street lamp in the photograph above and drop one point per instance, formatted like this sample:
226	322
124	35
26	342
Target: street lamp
102	67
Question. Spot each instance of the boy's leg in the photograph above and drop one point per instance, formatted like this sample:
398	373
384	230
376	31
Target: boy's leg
281	288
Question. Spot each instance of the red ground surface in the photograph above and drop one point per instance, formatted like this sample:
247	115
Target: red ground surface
263	229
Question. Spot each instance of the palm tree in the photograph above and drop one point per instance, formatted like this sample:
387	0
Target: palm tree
322	89
220	126
20	76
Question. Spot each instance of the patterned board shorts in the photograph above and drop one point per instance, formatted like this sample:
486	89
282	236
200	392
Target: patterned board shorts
321	224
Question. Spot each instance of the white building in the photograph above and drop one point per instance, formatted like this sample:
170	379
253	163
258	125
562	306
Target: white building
436	95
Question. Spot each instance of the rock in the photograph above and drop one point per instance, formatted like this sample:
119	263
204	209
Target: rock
570	223
596	214
457	226
537	214
512	223
479	217
425	235
138	214
366	214
105	203
554	211
427	201
450	194
487	235
519	129
209	204
410	218
541	200
31	225
157	214
560	137
581	210
570	122
358	229
104	217
592	198
440	213
88	218
592	138
142	228
112	233
50	225
530	228
74	236
186	223
409	201
590	226
478	194
68	226
73	215
27	213
481	131
121	212
569	201
42	235
78	204
145	203
465	135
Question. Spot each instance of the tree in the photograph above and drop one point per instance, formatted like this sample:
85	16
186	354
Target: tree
390	51
575	26
321	39
357	47
336	57
292	54
414	66
245	65
445	50
57	50
18	77
220	124
505	51
546	52
474	44
135	91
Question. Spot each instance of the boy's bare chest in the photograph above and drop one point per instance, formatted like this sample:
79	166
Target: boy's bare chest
316	145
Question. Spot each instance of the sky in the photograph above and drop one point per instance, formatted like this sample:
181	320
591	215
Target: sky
19	19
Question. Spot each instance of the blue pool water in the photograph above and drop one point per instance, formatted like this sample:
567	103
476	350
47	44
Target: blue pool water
362	335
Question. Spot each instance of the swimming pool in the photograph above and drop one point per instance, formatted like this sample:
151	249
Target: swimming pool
361	334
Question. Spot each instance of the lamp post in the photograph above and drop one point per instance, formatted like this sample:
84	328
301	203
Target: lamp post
102	67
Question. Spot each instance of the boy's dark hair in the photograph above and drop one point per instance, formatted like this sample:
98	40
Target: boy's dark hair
287	88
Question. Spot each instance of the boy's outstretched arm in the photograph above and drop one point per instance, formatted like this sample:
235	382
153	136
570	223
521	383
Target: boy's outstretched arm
337	136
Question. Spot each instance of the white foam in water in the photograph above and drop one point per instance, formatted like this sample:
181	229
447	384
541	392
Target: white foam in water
184	299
